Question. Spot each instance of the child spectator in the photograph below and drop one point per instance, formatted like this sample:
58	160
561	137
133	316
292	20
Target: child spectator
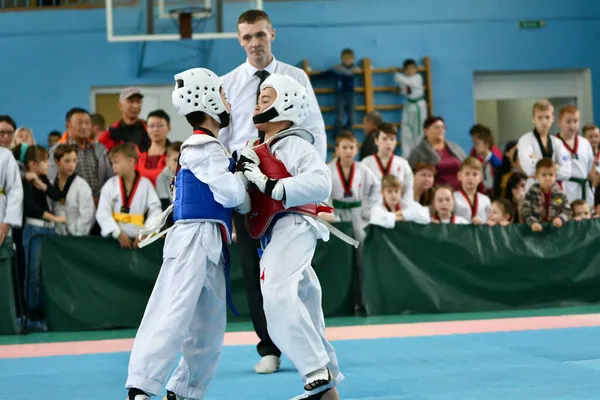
581	210
592	134
152	162
23	135
53	138
370	121
581	156
489	155
507	167
76	202
388	212
470	204
545	201
415	109
163	182
39	222
538	144
385	162
443	207
515	193
424	180
126	198
343	74
355	190
501	213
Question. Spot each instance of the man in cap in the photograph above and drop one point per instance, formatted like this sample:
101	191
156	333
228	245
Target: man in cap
130	128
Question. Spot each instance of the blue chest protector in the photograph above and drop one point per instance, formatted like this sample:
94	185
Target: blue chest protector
194	201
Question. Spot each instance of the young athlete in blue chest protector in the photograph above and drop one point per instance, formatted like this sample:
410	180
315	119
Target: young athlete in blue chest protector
191	290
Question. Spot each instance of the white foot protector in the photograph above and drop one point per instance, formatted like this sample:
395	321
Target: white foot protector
267	365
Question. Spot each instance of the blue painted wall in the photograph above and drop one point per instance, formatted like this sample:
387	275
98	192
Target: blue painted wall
52	58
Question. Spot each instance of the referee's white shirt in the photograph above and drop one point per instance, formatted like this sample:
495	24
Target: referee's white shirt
240	86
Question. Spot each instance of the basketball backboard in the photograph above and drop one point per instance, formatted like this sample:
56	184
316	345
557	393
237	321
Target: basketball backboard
170	20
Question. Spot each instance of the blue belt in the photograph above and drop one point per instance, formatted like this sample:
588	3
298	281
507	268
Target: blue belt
227	260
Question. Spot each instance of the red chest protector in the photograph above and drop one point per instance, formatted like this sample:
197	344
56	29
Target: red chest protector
264	208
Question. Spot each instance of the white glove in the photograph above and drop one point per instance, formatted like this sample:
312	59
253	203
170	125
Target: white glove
240	175
248	155
271	187
245	207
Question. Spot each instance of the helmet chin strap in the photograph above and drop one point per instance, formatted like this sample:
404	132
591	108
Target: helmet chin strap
265	116
225	119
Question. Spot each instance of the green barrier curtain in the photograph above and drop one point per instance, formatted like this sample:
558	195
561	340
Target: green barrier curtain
8	314
91	283
451	268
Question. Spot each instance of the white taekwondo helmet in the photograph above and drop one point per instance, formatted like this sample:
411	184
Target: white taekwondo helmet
197	89
291	103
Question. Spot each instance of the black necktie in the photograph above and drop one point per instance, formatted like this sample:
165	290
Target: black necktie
262	75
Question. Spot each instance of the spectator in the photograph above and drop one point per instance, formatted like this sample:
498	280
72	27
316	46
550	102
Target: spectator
92	161
490	156
538	144
470	204
76	202
510	164
23	135
11	195
98	125
545	201
581	210
515	193
39	222
152	162
390	211
385	162
7	130
343	74
163	182
501	213
53	138
130	128
443	207
355	190
436	150
126	199
423	186
371	121
415	110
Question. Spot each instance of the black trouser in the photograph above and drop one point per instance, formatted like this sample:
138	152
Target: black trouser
248	253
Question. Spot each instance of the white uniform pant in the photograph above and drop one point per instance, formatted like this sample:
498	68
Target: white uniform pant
411	133
574	192
292	297
186	313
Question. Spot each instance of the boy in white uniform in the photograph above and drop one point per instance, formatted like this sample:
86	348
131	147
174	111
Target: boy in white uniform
187	309
126	198
470	204
415	109
289	180
385	162
390	210
11	194
538	144
578	187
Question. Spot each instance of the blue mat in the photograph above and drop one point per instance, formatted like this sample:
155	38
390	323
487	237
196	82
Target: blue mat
562	364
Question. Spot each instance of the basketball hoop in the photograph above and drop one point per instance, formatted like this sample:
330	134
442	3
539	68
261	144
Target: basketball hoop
185	16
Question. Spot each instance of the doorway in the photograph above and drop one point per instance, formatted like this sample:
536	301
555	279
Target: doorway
503	100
